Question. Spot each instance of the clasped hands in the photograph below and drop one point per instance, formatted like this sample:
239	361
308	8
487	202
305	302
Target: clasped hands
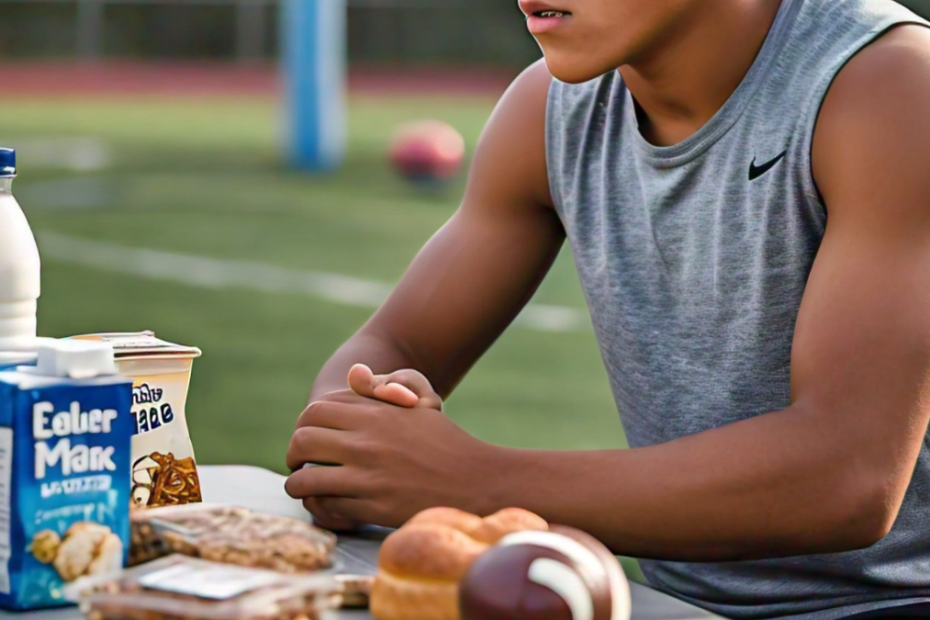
381	451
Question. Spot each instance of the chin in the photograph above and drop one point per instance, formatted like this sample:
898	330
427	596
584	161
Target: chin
568	69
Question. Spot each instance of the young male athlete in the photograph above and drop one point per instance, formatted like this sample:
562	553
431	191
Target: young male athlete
748	202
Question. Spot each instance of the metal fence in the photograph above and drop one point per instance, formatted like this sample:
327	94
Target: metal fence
463	31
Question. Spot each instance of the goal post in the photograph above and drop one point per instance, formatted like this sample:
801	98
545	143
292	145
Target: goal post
313	63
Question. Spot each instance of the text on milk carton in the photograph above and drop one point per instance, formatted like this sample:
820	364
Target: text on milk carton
52	432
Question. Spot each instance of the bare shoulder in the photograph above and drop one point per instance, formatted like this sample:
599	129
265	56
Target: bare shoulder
510	161
892	71
534	80
873	133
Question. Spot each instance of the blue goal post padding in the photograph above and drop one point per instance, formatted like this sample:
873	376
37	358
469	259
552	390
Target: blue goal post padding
313	57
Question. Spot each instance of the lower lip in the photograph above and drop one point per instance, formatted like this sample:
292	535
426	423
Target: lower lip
541	25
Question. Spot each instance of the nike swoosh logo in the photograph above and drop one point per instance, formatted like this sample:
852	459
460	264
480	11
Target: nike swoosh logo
757	171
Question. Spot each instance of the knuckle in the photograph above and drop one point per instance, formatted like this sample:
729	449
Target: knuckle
294	456
408	374
293	460
317	408
361	452
291	487
303	445
302	438
364	453
309	413
350	449
341	396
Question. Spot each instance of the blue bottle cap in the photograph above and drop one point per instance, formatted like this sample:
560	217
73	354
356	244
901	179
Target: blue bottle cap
7	162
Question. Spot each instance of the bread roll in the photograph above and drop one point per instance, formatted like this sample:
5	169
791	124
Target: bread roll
421	565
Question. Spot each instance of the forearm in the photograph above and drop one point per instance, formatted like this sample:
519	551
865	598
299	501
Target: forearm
378	353
776	485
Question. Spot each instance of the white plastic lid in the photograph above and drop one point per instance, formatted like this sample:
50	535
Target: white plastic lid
75	359
14	358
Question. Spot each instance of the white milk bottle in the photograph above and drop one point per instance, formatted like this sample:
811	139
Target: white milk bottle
19	273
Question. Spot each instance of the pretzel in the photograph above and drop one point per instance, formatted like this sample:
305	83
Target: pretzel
173	482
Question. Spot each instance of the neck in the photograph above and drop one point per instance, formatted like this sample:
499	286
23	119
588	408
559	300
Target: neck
688	75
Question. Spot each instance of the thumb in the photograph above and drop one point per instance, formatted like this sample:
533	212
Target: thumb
404	388
365	383
415	382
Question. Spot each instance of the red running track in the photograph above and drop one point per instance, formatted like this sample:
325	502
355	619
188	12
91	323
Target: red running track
174	79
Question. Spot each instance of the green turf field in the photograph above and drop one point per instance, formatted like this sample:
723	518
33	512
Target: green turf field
200	177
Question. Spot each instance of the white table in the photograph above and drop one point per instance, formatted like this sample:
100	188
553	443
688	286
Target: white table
263	490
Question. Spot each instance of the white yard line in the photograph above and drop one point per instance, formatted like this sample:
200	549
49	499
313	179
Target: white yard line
81	154
215	273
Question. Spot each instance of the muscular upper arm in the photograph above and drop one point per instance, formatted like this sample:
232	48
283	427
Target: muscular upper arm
861	354
475	275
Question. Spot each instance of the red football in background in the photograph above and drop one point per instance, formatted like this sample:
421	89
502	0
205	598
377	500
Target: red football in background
563	574
428	151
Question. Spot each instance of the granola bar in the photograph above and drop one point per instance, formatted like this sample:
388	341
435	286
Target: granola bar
230	535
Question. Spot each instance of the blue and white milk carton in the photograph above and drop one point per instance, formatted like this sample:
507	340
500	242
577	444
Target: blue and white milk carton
65	435
12	360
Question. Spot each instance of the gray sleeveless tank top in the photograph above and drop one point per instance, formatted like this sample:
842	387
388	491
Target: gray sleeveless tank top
693	260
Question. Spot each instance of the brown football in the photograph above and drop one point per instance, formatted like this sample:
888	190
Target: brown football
561	575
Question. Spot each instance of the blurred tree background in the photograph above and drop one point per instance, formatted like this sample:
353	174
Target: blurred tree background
921	7
479	32
410	32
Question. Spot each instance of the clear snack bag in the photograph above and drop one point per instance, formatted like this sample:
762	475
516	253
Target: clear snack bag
231	535
183	588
